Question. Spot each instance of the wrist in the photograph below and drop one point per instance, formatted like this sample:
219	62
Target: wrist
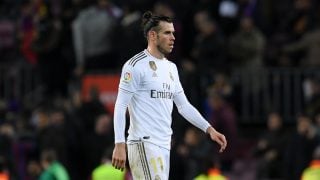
210	129
120	144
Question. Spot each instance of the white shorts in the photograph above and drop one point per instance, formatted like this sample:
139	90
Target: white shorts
148	161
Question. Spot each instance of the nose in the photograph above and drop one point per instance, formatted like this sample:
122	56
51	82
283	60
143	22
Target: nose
172	37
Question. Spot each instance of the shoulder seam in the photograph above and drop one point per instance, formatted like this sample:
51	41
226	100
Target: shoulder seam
136	58
139	60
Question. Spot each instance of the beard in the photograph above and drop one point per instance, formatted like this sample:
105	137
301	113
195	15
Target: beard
163	50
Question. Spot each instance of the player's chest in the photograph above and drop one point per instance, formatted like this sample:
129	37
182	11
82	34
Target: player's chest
158	78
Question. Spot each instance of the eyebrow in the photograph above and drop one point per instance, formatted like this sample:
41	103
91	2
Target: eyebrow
168	31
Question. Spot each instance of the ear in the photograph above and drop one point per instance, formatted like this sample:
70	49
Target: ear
152	34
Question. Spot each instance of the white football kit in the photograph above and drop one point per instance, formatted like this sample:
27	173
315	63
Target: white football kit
148	87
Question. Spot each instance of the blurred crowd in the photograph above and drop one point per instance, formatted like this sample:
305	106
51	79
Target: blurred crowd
64	40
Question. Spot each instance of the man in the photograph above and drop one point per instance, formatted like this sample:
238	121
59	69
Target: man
93	32
53	169
148	87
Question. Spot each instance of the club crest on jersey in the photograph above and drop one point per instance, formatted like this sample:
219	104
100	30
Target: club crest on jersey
127	77
171	77
153	65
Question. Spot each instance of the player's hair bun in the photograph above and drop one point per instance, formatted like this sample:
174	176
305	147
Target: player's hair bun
147	15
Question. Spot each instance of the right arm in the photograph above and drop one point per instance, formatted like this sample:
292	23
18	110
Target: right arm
128	84
119	152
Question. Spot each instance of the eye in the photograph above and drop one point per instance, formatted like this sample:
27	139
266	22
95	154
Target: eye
169	32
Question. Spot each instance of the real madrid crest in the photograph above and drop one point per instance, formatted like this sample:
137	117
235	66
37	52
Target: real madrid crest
153	65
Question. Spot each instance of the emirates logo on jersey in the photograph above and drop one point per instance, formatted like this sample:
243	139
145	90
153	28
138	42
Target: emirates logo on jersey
153	65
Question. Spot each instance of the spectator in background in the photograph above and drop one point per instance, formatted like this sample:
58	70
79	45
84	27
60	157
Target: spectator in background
94	144
303	31
246	46
298	152
309	42
222	85
246	50
194	158
53	68
55	135
105	170
222	116
89	109
313	171
130	30
34	170
53	169
302	15
270	149
209	47
208	50
27	28
93	32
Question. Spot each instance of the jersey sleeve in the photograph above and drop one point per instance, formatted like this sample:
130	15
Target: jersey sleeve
128	85
130	78
190	113
121	105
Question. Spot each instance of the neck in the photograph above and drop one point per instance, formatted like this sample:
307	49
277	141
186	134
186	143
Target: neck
155	52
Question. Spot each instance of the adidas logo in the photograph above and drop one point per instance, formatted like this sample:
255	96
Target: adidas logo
154	74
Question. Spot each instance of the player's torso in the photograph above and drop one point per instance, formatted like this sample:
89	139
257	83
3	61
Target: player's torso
157	80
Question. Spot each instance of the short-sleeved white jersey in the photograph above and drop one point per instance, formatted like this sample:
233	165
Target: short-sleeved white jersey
153	82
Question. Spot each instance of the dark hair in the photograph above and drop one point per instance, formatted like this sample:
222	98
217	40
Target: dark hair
49	155
150	21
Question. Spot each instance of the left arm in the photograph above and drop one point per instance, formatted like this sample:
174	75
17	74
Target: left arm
191	114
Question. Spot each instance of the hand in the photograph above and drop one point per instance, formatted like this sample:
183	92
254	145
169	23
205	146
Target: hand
217	137
119	156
